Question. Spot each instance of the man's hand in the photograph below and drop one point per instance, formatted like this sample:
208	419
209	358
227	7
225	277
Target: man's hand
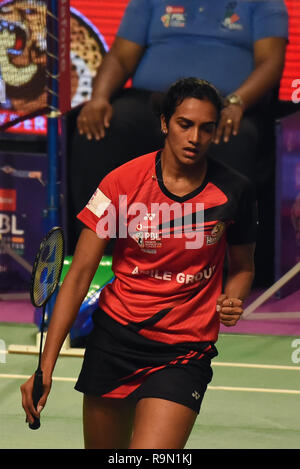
229	309
229	123
94	118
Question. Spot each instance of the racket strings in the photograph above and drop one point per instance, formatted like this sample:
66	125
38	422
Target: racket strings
48	268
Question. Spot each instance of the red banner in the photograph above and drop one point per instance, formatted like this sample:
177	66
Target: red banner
290	86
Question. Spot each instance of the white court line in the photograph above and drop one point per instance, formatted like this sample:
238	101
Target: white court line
257	365
246	365
54	378
213	388
278	391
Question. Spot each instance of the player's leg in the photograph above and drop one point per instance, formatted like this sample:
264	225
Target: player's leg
161	424
107	423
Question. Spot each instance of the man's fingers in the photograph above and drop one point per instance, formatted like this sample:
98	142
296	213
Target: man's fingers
107	117
91	128
224	128
219	132
95	130
229	123
82	125
227	129
94	119
236	127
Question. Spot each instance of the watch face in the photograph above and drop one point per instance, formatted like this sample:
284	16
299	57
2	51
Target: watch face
234	99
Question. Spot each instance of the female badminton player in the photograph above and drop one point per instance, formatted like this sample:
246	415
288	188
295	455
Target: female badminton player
175	214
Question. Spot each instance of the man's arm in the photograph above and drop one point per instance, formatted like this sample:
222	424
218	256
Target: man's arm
117	67
269	55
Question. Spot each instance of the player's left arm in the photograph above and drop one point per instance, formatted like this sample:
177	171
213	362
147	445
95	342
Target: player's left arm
238	284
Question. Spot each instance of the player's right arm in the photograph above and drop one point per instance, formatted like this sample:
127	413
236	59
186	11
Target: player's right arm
88	253
116	68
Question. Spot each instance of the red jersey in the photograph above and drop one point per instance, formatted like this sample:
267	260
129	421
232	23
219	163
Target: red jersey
169	254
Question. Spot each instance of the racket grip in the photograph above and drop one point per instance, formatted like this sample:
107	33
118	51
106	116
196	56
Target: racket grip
36	395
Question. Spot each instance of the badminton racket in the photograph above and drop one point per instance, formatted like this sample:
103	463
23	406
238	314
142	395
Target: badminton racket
45	276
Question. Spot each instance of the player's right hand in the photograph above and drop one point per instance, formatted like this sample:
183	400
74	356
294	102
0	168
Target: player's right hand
230	310
27	402
94	118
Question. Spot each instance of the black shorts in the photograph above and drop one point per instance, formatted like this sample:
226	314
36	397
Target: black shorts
120	363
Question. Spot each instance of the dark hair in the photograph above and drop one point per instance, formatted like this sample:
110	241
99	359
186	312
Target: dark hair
190	88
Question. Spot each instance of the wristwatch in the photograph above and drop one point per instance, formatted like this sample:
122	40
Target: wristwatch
234	99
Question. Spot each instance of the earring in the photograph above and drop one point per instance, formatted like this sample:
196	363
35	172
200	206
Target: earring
164	131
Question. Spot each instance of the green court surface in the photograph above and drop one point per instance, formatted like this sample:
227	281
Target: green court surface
253	401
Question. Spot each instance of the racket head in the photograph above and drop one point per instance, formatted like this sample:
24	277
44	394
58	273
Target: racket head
47	267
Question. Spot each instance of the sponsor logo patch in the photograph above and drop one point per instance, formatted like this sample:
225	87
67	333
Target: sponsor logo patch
231	19
174	17
216	233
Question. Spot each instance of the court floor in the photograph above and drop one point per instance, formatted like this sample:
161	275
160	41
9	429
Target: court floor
253	401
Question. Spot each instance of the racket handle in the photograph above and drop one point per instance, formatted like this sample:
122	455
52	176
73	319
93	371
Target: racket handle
36	395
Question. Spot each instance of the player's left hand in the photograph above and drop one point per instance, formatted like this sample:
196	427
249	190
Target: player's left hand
229	309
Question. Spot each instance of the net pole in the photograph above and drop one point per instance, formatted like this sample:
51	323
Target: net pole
53	140
52	216
52	212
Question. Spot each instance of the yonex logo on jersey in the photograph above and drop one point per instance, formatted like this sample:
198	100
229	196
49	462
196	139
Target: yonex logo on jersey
196	395
149	216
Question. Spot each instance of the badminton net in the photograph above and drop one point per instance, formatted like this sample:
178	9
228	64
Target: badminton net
34	59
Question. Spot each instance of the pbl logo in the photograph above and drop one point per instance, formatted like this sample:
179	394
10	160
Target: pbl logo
8	224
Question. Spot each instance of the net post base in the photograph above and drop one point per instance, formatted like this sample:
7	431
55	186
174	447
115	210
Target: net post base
66	349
